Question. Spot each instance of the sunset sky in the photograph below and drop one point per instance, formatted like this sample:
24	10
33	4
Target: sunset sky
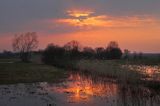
134	24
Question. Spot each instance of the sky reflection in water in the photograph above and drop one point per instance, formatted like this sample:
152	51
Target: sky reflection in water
81	90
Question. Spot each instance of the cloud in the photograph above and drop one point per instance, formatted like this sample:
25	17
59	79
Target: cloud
17	14
85	19
77	20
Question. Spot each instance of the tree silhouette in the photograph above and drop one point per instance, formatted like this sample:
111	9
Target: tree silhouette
72	45
24	44
88	52
100	53
71	53
53	55
111	45
73	49
113	51
60	56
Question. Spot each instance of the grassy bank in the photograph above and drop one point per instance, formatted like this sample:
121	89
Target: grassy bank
12	71
109	68
114	69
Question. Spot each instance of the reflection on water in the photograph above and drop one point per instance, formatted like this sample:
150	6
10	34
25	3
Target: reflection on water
78	90
82	88
24	95
151	72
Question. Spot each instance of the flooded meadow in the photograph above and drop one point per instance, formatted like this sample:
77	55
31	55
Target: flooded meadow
78	89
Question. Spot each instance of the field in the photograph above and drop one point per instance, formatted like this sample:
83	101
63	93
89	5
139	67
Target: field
123	71
13	71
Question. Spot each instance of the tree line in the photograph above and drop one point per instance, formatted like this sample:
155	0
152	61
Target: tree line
25	43
67	55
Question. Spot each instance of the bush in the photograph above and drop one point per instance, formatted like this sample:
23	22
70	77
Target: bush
53	54
58	56
114	53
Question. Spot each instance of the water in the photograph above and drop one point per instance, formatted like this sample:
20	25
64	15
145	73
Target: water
150	72
78	90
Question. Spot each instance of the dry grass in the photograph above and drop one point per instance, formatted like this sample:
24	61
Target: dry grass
110	68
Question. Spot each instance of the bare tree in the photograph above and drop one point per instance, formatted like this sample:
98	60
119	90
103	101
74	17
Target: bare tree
112	44
24	44
72	45
73	49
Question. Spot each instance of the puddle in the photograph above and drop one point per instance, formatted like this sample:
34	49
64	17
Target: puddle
151	72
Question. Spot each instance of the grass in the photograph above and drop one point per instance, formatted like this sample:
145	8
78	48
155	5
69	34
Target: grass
113	69
13	71
109	68
144	61
18	72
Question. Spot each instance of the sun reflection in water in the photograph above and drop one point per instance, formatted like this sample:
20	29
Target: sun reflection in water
80	88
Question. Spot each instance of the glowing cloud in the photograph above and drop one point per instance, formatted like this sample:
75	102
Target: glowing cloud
83	18
79	13
90	19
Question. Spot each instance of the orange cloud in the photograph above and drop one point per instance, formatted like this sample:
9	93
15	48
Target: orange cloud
79	13
89	19
137	33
